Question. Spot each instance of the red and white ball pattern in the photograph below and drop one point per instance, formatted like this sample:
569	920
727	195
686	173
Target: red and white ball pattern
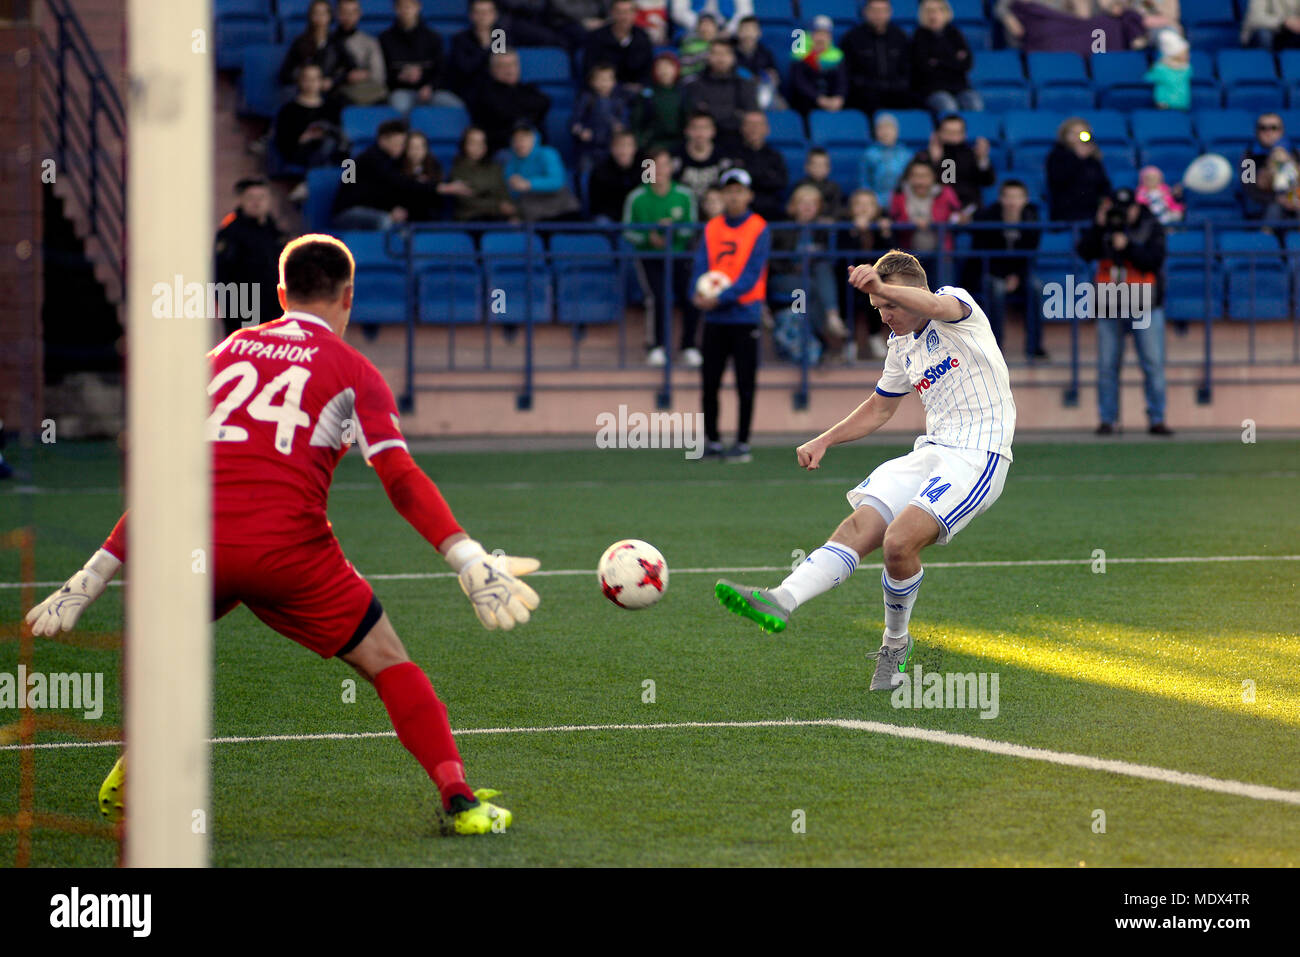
633	574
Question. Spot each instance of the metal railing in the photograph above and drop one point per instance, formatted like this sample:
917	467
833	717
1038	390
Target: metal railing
84	121
946	265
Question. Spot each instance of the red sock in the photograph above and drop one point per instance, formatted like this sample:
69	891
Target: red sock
420	720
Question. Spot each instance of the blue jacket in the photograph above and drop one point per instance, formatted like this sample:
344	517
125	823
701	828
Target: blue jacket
543	168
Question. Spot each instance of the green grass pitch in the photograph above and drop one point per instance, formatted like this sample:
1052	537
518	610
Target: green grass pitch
1144	663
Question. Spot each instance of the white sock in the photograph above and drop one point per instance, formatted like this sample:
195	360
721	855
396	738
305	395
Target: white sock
821	571
900	596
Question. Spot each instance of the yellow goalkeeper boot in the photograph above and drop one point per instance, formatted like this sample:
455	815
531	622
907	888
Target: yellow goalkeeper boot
110	792
481	817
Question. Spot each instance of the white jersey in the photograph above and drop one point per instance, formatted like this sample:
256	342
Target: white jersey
958	370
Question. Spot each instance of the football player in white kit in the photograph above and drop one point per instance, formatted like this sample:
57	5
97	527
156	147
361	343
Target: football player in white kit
942	347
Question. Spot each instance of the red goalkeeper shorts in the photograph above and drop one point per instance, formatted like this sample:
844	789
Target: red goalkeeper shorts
307	592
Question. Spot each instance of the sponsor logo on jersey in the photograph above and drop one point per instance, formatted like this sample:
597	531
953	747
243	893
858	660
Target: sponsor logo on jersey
935	373
290	330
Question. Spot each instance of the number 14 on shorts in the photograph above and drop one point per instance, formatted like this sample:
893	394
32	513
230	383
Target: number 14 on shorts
934	491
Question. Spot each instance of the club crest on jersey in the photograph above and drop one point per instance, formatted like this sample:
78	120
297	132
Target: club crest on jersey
936	372
932	340
290	330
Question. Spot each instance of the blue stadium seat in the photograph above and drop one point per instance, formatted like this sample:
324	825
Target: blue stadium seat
450	287
1034	178
1000	78
1172	158
1060	81
1109	128
770	12
292	8
985	124
1291	245
1161	126
1055	264
786	128
361	122
1215	37
507	274
1031	126
322	186
1289	69
1224	131
1205	85
259	85
842	128
380	282
794	156
967	10
290	28
846	168
246	8
1257	281
914	127
544	65
559	135
1198	13
442	124
1249	79
1185	277
777	38
587	286
843	12
1217	207
377	23
235	32
1117	80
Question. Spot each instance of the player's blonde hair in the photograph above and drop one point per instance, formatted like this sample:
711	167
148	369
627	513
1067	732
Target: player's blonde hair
309	238
314	275
902	268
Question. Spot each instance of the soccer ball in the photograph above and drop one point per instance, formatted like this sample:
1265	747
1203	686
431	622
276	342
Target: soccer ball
712	283
1208	174
633	574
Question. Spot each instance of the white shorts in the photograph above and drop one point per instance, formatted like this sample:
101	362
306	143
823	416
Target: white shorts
953	485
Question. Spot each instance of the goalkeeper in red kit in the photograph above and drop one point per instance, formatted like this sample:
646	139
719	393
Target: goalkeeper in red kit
288	399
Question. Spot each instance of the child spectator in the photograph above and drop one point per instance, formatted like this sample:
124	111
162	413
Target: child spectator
941	62
693	51
613	178
478	182
817	172
307	127
755	60
659	113
921	202
870	236
884	160
1156	195
601	111
786	277
1171	75
817	77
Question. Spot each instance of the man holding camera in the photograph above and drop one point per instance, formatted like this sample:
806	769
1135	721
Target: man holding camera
1128	243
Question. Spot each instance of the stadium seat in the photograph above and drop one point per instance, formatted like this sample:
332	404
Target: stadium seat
380	282
543	65
1249	79
1172	159
914	127
786	128
1055	264
772	12
842	128
1186	259
360	124
846	168
1291	247
508	276
1109	128
1205	86
1161	126
1256	273
559	135
1117	80
235	31
843	12
259	85
1035	180
1060	81
985	124
442	124
1031	126
1289	69
794	156
587	279
1000	79
1216	207
292	8
1224	131
450	287
777	38
322	186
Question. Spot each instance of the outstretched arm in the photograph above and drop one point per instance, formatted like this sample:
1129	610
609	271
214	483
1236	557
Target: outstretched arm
60	611
865	419
915	299
490	582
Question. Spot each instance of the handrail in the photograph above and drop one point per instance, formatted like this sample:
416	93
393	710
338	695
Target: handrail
83	151
950	262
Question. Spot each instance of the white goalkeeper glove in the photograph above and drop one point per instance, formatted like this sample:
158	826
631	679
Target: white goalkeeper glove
499	598
61	610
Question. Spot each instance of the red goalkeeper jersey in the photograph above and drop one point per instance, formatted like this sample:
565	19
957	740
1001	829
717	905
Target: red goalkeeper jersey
288	399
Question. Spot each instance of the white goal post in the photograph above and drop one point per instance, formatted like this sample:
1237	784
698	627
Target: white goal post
167	651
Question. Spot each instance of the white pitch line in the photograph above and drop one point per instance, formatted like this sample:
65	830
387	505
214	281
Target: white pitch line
747	569
1257	792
